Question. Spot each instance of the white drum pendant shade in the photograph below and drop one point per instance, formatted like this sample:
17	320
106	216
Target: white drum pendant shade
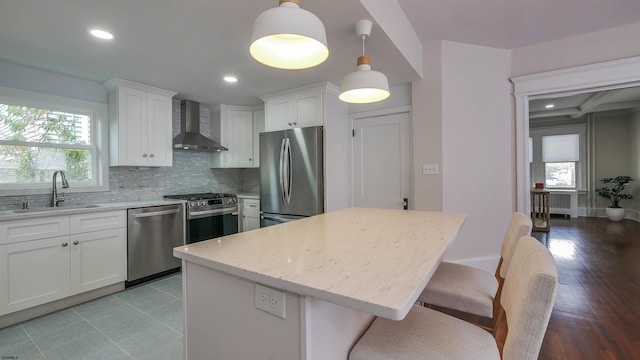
288	37
364	85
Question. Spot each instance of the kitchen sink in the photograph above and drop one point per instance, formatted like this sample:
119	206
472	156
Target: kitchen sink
59	208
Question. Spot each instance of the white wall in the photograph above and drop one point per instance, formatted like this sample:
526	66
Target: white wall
612	145
336	148
31	79
427	129
463	120
612	44
478	143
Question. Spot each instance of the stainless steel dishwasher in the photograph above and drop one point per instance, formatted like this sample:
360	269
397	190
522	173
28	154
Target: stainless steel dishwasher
152	233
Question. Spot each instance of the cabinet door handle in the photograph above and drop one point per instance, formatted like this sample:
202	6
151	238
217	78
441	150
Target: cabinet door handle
76	242
144	155
290	124
64	244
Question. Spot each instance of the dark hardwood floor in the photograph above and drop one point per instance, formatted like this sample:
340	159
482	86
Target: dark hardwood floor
597	309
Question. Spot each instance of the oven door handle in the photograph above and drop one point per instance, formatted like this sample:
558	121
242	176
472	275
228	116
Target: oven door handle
224	211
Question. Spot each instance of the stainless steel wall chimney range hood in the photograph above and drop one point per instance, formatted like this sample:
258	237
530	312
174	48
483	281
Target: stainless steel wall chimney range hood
190	137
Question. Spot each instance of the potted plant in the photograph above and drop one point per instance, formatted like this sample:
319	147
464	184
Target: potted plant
613	191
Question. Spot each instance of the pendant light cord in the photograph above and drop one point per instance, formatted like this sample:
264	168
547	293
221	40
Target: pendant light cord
363	37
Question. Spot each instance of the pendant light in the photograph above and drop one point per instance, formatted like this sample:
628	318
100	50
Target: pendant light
364	85
288	37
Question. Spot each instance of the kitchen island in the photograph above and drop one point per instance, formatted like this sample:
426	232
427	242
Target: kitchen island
326	279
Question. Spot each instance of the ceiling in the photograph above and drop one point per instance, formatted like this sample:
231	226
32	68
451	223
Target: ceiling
187	46
575	106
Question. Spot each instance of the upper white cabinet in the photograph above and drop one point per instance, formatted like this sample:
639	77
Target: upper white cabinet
236	128
300	107
139	124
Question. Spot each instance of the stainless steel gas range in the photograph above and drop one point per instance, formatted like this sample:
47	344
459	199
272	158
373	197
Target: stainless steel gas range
209	215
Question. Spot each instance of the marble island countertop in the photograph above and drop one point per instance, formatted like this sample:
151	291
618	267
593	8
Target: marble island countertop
373	260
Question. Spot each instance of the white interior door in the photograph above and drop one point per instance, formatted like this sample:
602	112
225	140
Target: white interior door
381	161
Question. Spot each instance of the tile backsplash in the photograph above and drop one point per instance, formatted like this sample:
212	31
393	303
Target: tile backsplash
190	173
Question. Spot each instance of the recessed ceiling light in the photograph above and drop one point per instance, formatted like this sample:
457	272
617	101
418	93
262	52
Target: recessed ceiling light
101	34
230	79
549	106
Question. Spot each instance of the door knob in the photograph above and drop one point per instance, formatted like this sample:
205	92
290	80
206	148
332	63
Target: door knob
405	204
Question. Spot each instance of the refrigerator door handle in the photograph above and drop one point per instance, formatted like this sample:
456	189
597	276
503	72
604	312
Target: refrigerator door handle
289	172
281	173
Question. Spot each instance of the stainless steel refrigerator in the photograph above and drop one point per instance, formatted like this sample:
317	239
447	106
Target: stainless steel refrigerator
291	175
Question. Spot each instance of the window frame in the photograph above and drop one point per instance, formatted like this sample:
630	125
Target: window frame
538	166
98	114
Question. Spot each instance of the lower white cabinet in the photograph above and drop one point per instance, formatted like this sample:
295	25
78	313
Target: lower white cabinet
250	211
98	259
33	273
37	271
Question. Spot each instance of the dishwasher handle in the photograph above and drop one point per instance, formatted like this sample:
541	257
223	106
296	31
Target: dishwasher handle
156	213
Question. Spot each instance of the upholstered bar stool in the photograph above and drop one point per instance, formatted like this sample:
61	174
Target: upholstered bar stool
527	301
470	290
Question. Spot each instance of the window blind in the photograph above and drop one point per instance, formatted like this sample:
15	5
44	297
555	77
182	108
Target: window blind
561	148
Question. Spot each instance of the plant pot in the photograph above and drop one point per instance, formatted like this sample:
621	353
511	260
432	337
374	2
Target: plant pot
615	214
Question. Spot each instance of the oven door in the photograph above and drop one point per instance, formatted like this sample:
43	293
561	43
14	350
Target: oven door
209	224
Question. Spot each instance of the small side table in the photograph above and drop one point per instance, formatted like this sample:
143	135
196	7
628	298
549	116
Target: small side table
540	216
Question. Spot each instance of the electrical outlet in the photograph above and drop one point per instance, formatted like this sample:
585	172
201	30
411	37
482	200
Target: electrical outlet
270	300
429	169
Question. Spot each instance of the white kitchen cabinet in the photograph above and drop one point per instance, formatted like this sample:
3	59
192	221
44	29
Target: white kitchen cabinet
62	256
235	127
300	107
140	131
33	229
250	212
33	273
98	259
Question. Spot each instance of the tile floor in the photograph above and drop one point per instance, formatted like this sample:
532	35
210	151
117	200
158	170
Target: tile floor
143	322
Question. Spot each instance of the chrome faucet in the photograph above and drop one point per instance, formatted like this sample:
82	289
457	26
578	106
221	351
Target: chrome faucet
55	199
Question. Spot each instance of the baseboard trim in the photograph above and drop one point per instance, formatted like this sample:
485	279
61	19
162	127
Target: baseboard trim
44	309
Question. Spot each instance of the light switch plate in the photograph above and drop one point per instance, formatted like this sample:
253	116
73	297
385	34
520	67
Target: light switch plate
430	169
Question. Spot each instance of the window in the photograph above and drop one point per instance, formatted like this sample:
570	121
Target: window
40	134
557	156
560	153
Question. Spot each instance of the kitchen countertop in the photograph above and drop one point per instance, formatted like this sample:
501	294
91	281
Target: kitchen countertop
249	196
372	260
7	215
